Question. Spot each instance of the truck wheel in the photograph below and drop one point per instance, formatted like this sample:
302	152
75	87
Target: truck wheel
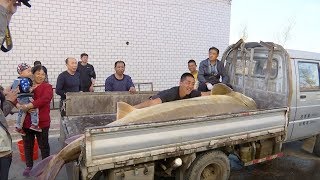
316	149
213	165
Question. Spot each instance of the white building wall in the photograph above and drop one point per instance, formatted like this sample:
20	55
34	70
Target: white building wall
162	34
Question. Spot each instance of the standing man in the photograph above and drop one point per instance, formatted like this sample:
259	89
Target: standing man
7	9
192	66
119	81
211	70
5	138
185	90
68	81
87	74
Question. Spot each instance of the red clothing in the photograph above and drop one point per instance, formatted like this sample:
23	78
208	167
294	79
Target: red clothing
42	98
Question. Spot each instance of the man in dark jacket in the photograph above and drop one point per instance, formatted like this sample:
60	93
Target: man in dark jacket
68	81
87	74
210	71
185	90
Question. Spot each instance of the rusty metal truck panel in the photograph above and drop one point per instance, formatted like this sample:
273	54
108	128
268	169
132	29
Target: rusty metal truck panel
86	103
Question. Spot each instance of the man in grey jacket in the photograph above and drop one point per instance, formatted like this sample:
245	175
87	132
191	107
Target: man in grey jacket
210	71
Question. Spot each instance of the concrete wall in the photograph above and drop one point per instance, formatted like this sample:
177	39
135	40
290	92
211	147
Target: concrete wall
162	35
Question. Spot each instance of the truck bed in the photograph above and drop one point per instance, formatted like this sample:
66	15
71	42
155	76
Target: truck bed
75	125
110	147
92	109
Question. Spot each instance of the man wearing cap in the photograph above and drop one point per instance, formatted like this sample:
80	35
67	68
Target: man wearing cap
7	9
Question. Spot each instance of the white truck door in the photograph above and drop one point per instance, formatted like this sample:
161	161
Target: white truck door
307	118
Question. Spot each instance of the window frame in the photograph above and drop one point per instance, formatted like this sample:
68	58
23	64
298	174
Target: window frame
301	89
253	68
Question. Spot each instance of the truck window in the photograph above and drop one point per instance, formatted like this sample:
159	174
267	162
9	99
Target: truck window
258	67
308	76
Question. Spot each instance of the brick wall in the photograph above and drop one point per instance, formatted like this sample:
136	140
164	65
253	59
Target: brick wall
162	34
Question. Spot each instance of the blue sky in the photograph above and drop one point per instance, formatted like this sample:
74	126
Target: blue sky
267	20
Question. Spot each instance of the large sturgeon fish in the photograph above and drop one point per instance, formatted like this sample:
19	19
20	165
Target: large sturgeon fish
223	100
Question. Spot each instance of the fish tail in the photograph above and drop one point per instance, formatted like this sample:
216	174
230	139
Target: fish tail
52	170
38	169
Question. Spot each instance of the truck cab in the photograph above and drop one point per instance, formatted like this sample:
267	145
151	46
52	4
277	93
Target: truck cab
275	77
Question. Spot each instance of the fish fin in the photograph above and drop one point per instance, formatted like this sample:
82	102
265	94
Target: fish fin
39	168
123	109
248	101
220	89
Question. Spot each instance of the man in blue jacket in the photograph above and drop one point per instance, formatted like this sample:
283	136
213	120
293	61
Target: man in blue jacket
210	71
119	81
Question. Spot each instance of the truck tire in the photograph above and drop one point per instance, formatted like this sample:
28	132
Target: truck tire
213	165
316	148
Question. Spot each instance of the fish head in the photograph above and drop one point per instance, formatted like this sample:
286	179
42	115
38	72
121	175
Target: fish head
220	89
247	101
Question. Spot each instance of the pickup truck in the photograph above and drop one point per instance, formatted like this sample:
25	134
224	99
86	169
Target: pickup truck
285	89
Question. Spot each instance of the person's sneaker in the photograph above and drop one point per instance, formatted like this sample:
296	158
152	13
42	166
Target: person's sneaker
26	172
35	128
20	131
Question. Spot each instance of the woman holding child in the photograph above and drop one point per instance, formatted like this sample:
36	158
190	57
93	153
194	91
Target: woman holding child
42	97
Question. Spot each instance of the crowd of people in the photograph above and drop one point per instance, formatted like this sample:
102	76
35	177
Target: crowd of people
34	93
31	93
81	77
